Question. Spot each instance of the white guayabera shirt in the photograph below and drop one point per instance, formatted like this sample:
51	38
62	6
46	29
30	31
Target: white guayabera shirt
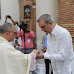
59	50
13	61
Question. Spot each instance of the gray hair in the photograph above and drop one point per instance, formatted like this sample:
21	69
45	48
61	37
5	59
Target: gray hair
5	28
46	17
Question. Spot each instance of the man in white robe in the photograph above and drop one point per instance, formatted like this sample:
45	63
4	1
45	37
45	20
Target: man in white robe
13	61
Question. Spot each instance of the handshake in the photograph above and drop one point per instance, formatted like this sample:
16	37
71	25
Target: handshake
38	54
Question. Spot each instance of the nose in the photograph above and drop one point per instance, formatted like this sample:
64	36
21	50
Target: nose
42	29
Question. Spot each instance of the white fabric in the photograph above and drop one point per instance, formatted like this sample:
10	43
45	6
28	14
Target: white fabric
13	61
59	50
33	62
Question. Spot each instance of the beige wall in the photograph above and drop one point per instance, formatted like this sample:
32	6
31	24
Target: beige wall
9	7
66	15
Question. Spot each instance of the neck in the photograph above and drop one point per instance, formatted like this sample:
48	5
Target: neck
52	27
4	36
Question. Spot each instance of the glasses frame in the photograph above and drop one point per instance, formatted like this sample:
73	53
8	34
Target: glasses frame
14	32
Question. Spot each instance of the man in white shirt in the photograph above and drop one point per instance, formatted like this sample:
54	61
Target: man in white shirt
59	45
13	61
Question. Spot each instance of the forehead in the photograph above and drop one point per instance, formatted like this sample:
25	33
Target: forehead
42	23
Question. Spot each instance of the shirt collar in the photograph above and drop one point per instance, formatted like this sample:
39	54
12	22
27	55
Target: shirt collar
55	30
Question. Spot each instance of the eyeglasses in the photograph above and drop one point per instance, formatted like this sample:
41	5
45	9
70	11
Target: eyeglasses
14	32
42	26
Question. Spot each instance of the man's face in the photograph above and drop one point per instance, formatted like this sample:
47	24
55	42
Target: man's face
12	34
44	27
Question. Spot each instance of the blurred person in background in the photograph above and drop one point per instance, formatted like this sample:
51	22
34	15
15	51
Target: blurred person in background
27	37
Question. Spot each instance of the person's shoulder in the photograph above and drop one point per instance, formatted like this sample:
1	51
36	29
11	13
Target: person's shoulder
63	30
65	33
10	46
7	45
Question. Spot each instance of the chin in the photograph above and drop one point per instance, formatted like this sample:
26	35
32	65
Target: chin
46	32
10	40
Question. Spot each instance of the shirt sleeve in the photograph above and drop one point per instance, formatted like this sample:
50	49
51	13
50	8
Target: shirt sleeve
65	49
33	61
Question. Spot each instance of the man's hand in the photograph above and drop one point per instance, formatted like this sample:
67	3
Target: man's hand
40	56
44	50
16	45
36	51
5	17
8	16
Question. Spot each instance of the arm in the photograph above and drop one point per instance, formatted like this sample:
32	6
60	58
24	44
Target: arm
12	21
5	19
8	16
32	34
33	59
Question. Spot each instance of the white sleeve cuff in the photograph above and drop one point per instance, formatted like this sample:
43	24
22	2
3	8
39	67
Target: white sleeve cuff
46	56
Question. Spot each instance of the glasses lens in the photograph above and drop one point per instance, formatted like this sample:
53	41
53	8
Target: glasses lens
15	33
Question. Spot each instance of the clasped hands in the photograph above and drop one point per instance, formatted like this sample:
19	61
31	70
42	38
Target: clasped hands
38	54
